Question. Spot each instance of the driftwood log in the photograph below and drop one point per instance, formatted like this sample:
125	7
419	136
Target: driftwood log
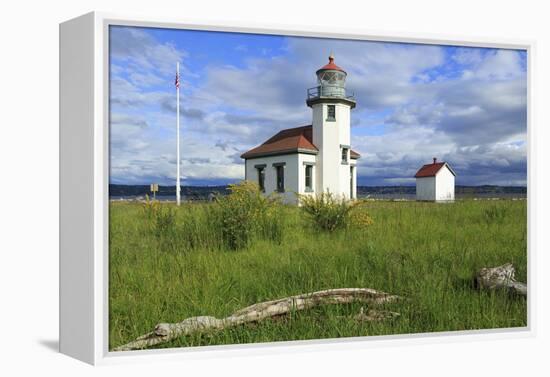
501	277
165	332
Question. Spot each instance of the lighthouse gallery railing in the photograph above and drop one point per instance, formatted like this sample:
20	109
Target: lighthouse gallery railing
328	91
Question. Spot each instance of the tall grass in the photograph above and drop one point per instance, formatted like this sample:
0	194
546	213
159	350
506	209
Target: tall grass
423	251
329	212
231	222
495	214
246	214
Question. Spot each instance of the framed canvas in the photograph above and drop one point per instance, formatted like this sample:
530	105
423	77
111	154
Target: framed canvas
264	189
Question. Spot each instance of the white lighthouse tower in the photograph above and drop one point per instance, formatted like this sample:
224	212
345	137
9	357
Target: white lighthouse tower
331	107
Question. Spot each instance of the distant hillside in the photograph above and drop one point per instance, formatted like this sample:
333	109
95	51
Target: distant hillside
460	190
189	192
202	192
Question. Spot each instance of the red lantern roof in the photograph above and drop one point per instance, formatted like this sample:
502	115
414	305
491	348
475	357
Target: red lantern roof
331	65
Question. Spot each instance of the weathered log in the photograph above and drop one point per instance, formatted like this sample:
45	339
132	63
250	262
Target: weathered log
165	332
501	277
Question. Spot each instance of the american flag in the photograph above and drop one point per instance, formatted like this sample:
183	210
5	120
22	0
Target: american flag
177	82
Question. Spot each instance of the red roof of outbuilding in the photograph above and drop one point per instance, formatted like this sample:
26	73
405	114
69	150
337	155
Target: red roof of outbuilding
290	140
430	170
331	65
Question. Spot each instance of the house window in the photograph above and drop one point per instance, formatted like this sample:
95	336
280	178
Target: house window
309	179
345	155
331	113
261	178
280	170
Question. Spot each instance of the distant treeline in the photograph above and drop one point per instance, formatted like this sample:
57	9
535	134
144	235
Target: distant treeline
201	192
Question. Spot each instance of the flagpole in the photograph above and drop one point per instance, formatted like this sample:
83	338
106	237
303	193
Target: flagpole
178	198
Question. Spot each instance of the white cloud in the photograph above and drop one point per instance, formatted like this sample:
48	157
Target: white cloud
467	56
140	51
501	65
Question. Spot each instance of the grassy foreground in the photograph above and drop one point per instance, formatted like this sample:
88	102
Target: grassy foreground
425	252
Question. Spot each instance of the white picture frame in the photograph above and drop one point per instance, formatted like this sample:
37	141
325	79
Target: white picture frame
84	169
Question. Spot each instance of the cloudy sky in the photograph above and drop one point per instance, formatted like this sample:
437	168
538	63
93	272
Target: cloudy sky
466	106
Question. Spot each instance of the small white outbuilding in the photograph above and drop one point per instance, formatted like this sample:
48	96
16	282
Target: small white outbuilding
435	182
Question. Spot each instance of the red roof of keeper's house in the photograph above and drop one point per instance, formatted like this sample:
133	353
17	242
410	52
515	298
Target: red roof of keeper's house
430	170
331	65
290	140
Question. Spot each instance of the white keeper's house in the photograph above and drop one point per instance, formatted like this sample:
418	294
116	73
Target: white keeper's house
314	158
435	182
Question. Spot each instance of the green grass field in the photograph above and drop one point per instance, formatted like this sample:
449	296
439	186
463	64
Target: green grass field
425	252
